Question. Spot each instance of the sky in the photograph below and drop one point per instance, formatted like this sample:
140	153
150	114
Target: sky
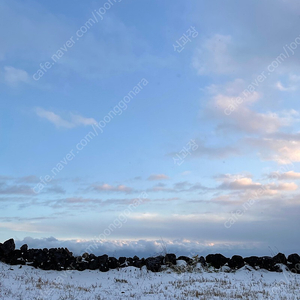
133	127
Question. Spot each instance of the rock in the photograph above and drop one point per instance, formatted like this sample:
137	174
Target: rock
40	257
188	260
17	253
139	263
94	264
161	259
130	261
103	263
216	260
294	268
122	262
170	259
236	262
24	248
267	262
18	261
81	266
294	258
113	263
48	265
154	263
78	259
15	258
252	261
280	259
294	263
92	256
202	261
8	246
67	252
86	256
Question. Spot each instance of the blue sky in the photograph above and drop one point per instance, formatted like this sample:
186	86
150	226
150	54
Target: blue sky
95	96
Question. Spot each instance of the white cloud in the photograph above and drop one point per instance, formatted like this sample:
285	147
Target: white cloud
186	173
281	88
234	107
59	122
141	247
291	86
216	152
248	120
79	120
14	77
158	177
214	56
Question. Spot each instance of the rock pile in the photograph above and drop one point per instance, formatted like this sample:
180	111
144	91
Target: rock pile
62	259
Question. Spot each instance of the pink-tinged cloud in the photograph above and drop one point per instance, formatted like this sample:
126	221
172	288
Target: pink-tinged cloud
110	188
290	175
288	186
240	184
283	151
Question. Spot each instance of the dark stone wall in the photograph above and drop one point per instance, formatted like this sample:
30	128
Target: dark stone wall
62	259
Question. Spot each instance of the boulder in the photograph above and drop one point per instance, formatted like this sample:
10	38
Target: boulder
267	262
67	252
15	258
236	262
216	260
252	261
122	262
78	258
103	263
294	268
280	259
202	261
86	256
113	263
40	257
130	261
161	259
94	264
170	259
81	266
8	246
294	263
154	263
24	248
139	263
294	258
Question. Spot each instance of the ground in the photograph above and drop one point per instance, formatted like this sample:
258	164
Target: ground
131	283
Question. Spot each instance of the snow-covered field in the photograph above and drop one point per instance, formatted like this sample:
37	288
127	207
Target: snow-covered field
132	283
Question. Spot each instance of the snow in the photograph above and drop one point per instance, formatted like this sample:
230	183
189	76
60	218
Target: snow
133	283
